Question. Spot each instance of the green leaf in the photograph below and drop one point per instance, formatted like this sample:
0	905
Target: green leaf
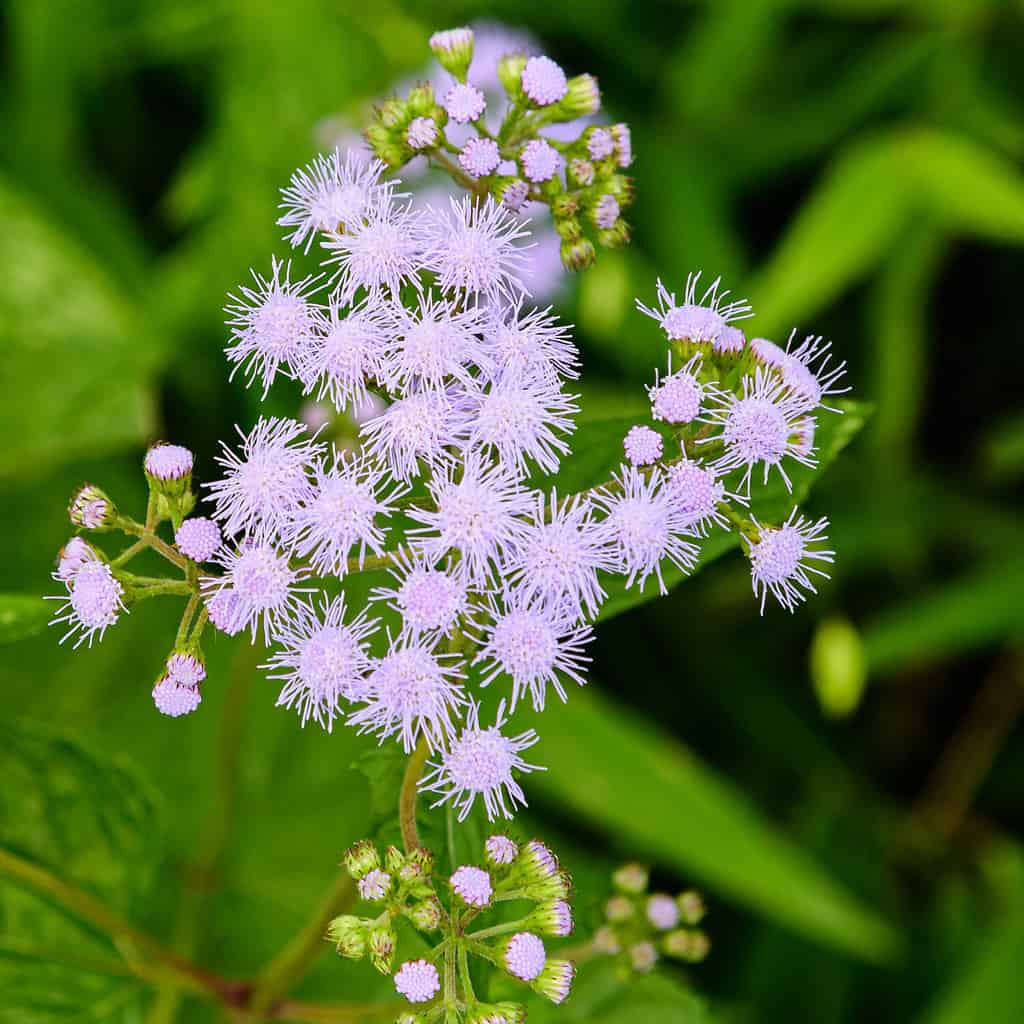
91	821
22	615
78	360
658	800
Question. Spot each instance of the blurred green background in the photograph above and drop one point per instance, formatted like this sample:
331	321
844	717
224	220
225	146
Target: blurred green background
843	784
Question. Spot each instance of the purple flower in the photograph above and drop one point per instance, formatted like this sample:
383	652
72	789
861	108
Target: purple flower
185	669
167	462
540	160
417	980
524	956
430	600
374	885
412	692
222	605
646	526
198	538
93	602
422	133
174	699
600	144
606	212
642	445
811	383
729	341
623	144
782	560
480	763
677	397
264	484
321	659
271	325
698	492
532	345
555	980
464	103
695	319
767	353
662	911
479	157
72	557
500	850
544	81
472	885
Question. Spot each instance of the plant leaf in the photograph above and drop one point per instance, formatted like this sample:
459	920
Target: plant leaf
22	615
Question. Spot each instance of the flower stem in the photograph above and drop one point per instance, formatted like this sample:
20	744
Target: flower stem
407	795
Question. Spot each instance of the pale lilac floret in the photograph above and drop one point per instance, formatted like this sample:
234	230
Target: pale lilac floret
623	144
662	912
72	557
186	669
730	341
532	344
767	353
198	538
524	420
175	699
642	445
515	194
89	509
582	170
479	157
525	956
321	659
464	103
432	342
93	602
472	885
677	397
561	923
539	860
340	516
501	850
534	646
421	133
560	556
263	585
271	324
606	213
345	353
168	462
412	692
429	599
758	428
419	427
698	493
695	319
374	885
803	434
477	512
600	144
418	981
264	483
540	160
331	195
809	382
379	253
783	560
472	248
452	40
222	605
544	81
556	980
646	527
480	762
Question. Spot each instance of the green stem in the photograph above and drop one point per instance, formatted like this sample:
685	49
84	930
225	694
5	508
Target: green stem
324	1013
186	619
129	553
407	796
500	929
151	587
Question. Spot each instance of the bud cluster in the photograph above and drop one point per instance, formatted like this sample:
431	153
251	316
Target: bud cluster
505	153
640	927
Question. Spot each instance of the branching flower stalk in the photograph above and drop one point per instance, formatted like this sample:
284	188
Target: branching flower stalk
492	575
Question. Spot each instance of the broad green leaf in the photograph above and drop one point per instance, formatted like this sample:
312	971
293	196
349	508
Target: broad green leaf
22	615
91	821
658	800
78	360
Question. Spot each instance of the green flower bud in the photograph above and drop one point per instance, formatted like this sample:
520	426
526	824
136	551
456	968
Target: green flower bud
616	236
420	101
682	944
578	254
618	908
393	112
631	878
510	73
381	941
582	99
497	1013
621	187
565	205
691	906
606	941
510	191
569	229
453	49
580	173
348	934
91	509
555	981
426	915
394	859
408	1017
643	956
361	858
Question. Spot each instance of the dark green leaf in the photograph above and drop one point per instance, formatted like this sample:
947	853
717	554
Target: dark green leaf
22	615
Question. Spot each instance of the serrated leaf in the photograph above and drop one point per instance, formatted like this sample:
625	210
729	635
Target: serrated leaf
661	802
22	615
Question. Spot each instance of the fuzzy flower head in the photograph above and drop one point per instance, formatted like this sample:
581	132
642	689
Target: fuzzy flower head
534	646
809	375
600	144
524	956
464	103
422	133
646	527
222	605
677	397
374	885
418	981
544	81
623	144
321	659
479	157
642	445
175	699
698	492
430	600
481	762
540	161
264	483
695	319
501	850
331	195
72	557
730	341
477	512
94	601
271	325
473	250
785	558
185	668
662	911
412	692
606	212
759	428
168	462
530	344
472	885
198	538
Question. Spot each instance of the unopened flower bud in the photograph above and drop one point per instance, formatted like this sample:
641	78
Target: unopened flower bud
420	100
453	49
618	908
511	192
91	509
643	956
510	73
555	980
631	878
543	81
569	229
578	254
691	906
361	858
564	206
408	1017
421	134
393	112
186	668
381	943
623	144
581	172
348	934
168	469
417	867
536	862
552	918
500	851
72	557
691	946
606	941
616	236
426	915
394	859
582	99
497	1013
662	911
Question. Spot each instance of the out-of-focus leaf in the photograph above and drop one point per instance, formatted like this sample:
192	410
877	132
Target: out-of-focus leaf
22	615
92	821
78	361
982	608
1003	452
660	801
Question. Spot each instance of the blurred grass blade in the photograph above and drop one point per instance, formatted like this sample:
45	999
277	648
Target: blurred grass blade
659	801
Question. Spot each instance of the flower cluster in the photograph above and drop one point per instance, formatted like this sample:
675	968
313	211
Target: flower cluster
446	912
513	150
640	927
